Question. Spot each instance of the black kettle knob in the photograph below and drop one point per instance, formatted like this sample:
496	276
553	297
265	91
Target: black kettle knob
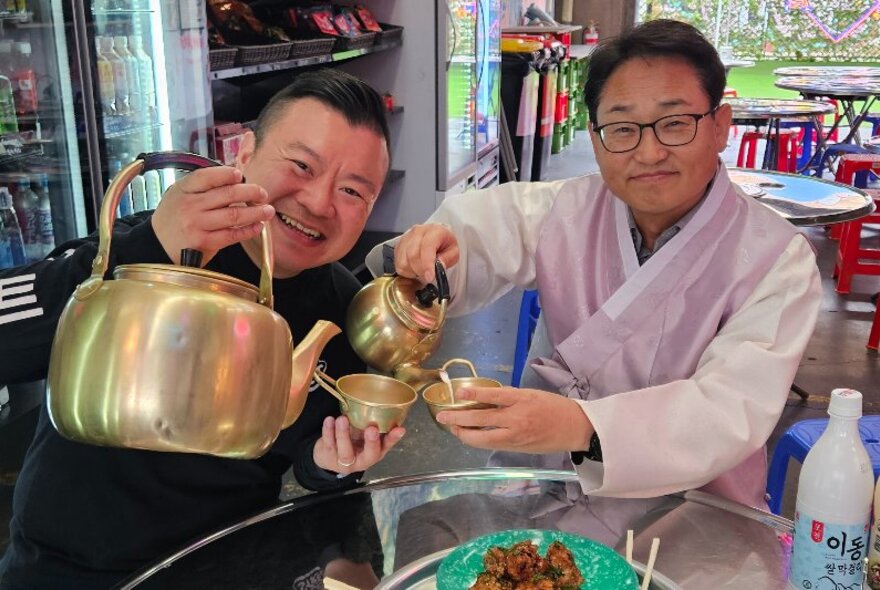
190	257
429	293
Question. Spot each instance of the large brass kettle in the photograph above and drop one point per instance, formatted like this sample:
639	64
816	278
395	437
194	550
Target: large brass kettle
394	323
176	358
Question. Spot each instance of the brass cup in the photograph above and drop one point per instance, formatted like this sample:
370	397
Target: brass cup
436	396
367	399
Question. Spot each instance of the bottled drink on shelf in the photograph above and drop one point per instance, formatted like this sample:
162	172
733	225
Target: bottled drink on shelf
145	74
120	80
24	80
27	208
113	168
135	96
8	118
833	508
154	190
106	86
45	228
12	252
21	6
6	58
138	194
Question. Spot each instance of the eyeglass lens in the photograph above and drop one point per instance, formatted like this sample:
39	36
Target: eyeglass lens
674	130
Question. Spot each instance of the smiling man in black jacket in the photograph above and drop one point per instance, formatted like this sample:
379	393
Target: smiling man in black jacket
88	516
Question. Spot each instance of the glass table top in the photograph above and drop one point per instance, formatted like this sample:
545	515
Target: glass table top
368	535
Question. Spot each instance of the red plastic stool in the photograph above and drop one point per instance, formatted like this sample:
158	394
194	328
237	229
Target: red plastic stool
874	337
851	164
850	252
786	160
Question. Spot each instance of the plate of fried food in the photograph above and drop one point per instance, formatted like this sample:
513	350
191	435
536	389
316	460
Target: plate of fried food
535	560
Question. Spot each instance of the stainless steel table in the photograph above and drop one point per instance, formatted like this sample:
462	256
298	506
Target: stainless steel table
829	71
771	112
845	88
804	200
736	63
401	527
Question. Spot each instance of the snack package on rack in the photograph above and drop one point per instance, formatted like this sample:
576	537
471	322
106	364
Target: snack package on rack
321	19
346	22
288	19
367	19
239	26
227	141
215	37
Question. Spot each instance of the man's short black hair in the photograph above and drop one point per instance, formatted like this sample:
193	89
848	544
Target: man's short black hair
351	97
656	38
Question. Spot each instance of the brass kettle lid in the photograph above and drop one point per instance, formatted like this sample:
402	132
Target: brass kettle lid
419	307
187	276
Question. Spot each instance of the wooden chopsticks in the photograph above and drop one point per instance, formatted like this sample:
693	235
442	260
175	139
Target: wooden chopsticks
331	584
652	557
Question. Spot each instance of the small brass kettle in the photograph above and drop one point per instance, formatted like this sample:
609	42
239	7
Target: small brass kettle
393	324
176	358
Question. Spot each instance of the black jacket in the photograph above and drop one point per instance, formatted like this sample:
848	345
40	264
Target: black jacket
86	516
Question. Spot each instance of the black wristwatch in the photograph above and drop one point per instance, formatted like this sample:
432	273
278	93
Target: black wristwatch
594	453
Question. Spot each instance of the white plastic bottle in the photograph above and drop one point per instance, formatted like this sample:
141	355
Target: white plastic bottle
154	189
834	496
138	194
145	75
135	96
120	81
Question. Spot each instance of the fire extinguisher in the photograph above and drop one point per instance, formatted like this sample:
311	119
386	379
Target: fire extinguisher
591	34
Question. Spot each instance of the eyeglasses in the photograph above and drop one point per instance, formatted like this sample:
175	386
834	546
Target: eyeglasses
671	131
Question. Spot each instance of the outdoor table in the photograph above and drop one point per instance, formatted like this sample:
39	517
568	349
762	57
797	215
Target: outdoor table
829	71
736	63
771	111
844	88
413	521
803	200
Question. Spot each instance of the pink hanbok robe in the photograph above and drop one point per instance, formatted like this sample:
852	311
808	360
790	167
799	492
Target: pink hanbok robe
682	365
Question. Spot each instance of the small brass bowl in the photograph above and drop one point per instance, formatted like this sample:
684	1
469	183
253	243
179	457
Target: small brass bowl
367	399
437	396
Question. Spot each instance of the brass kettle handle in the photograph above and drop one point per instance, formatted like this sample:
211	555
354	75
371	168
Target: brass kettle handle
464	362
158	161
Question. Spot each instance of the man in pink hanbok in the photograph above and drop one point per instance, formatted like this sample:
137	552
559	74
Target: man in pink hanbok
675	309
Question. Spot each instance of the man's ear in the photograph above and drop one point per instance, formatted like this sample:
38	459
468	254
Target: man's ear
246	150
722	118
594	139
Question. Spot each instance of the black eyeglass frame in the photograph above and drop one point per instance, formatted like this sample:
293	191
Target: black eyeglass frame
642	126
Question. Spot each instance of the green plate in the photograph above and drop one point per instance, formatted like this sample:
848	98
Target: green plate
602	567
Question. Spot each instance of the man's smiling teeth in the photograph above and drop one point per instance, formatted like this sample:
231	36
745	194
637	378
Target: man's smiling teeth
290	222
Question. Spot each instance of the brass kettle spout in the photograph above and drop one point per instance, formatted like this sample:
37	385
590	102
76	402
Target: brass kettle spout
304	360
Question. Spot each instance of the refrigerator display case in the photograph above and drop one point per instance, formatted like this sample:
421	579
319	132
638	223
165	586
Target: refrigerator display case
468	81
145	88
488	90
84	88
42	200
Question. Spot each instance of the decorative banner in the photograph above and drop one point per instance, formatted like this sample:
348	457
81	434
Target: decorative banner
834	36
799	30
